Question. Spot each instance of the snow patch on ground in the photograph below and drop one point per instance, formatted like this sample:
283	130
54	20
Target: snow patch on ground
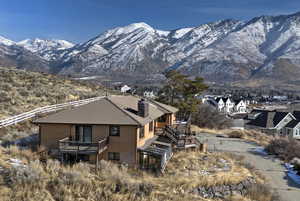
292	173
16	163
260	150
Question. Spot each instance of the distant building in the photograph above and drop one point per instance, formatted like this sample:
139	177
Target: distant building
149	94
292	129
240	106
269	121
225	105
280	98
125	89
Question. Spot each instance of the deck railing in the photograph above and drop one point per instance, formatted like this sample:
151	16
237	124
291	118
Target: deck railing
68	146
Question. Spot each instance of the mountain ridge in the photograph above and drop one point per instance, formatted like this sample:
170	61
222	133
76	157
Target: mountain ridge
225	50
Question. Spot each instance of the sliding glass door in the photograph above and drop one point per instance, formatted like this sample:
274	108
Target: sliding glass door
83	133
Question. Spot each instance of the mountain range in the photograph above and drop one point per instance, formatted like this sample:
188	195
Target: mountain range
265	47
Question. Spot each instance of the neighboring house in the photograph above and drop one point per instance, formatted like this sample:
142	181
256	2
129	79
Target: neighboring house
225	105
116	128
240	106
149	94
125	89
271	122
292	129
220	104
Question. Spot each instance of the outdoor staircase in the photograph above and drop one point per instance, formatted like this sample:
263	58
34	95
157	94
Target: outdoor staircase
169	132
181	140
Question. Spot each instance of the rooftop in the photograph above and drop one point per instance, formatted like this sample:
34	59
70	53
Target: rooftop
111	110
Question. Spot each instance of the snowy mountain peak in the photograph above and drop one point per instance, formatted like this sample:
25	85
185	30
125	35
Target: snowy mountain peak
38	45
44	47
6	41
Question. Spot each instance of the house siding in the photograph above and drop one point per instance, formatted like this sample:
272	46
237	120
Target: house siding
50	134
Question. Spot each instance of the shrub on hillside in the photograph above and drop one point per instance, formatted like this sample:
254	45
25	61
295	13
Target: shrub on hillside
207	117
236	134
285	148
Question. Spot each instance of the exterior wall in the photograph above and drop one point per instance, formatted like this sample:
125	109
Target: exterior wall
292	132
170	120
125	144
241	107
50	134
147	135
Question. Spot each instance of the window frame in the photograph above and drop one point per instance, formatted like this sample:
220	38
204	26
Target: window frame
80	129
114	156
142	132
111	127
151	125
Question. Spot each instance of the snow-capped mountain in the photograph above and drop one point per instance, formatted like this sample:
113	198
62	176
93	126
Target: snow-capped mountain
5	41
225	50
48	49
12	55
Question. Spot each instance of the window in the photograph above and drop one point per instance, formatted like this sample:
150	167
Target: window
114	130
162	119
142	132
151	126
114	156
83	133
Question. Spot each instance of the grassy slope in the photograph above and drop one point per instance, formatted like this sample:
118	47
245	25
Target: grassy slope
54	182
22	91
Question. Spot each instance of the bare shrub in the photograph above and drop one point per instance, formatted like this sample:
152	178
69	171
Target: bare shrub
31	174
262	192
236	134
207	117
285	148
123	182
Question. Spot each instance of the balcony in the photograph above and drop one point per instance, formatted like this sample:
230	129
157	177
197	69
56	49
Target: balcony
68	146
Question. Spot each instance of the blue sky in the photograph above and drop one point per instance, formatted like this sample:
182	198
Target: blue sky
80	20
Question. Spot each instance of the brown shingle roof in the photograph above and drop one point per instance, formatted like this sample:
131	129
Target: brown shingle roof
119	110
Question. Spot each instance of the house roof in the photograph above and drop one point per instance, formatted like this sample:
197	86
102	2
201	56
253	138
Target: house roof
292	124
117	110
222	98
296	114
238	101
268	119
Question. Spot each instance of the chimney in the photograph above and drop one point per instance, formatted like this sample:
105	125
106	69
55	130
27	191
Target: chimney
143	108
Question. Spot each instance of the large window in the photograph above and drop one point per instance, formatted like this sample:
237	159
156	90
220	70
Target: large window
114	130
83	133
142	131
162	119
114	156
151	124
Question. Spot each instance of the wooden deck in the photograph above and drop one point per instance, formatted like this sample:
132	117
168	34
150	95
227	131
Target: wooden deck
67	146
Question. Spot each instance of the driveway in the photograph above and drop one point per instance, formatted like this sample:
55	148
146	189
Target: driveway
269	166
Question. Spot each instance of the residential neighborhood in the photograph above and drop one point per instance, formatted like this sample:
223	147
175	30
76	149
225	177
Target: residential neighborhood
127	100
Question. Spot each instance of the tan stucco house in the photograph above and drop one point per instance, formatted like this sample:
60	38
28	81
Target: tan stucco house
116	128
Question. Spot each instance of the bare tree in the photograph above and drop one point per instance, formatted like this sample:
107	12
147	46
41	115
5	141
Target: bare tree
208	117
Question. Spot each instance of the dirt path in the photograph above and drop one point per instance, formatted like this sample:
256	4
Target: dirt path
271	167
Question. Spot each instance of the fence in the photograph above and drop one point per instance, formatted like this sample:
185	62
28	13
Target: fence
46	109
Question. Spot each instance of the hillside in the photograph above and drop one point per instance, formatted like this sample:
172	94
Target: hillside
21	90
189	176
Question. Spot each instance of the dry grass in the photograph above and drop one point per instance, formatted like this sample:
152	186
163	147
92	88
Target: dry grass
22	91
54	182
249	135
